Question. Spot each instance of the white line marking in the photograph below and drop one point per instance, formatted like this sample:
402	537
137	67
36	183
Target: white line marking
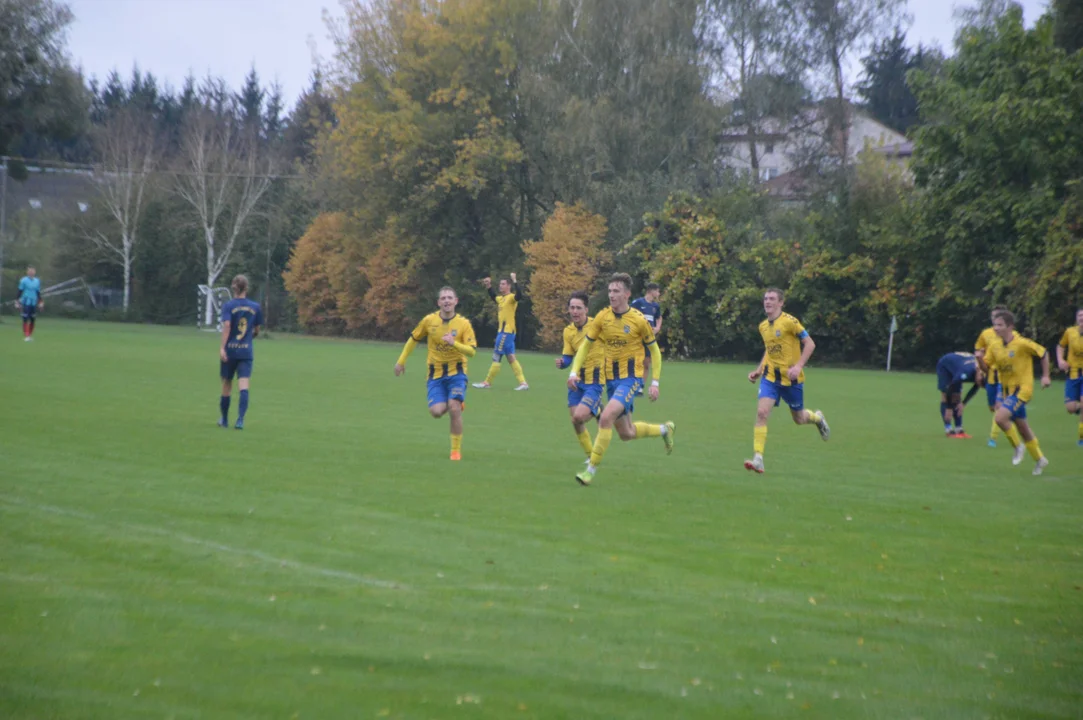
221	547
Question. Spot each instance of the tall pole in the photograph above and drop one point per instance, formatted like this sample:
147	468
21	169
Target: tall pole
3	217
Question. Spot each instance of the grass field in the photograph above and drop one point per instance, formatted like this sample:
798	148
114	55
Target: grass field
330	562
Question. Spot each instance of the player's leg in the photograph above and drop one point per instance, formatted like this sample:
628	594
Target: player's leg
612	411
1030	440
509	351
226	372
580	414
769	398
992	394
626	392
456	391
244	375
1005	420
956	400
945	412
1073	402
498	354
794	397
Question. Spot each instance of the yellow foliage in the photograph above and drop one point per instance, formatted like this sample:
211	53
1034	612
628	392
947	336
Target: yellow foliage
568	258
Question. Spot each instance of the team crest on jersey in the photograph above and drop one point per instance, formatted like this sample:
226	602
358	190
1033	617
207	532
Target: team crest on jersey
778	333
1011	353
454	333
627	329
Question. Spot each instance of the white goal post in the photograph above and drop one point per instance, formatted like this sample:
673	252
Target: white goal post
209	305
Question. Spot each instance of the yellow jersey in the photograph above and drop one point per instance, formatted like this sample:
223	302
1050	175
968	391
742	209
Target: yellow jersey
1015	364
593	370
507	305
988	337
1072	341
782	347
625	337
444	360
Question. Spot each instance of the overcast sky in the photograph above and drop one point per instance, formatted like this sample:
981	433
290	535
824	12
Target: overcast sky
171	38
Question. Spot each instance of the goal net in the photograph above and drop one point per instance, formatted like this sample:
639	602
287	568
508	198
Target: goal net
211	300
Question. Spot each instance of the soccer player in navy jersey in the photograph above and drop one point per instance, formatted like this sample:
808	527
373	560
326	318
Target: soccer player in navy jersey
652	311
241	321
952	370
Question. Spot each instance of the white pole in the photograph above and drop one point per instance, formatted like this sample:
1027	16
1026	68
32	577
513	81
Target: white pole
891	341
3	212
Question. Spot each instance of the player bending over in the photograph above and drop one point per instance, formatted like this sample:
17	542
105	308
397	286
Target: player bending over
787	347
451	341
625	334
29	301
585	401
1013	357
241	320
1070	360
508	302
952	370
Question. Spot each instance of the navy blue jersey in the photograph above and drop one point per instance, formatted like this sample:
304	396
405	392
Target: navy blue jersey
651	311
956	368
243	316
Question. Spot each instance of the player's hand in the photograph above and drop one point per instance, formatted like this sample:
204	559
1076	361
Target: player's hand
399	369
793	373
1046	382
560	363
222	355
1063	365
449	339
513	279
18	305
754	375
487	282
573	383
652	392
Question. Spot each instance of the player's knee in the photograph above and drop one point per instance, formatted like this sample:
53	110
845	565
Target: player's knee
1072	407
437	411
762	414
626	433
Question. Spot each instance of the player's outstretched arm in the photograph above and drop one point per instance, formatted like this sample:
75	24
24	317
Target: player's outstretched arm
577	363
515	287
400	364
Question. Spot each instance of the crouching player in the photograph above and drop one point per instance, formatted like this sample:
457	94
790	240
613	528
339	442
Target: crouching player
952	370
1013	357
585	401
451	341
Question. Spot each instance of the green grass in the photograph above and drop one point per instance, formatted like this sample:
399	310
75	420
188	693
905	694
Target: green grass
329	561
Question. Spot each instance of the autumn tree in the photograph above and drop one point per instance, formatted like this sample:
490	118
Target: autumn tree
569	257
310	273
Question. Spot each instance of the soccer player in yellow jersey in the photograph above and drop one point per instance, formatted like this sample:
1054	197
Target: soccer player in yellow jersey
992	381
1070	360
508	302
1013	356
787	347
625	333
451	341
585	401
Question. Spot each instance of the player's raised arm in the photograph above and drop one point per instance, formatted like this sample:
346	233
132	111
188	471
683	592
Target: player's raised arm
515	288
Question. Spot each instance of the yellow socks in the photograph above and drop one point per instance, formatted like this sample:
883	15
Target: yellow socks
1081	429
456	443
1013	436
493	370
759	435
645	430
1034	450
813	418
994	433
518	370
601	444
585	442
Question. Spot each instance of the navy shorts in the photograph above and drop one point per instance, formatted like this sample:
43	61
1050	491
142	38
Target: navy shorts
241	367
1073	389
794	395
992	394
30	312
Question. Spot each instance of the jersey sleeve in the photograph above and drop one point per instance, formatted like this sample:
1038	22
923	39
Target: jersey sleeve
1065	339
1037	350
419	334
594	329
980	343
468	335
22	285
225	316
798	329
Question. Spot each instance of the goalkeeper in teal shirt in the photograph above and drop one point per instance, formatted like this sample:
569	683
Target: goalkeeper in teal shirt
29	301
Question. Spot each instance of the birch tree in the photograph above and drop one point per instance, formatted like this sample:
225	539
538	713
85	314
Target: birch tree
128	150
223	173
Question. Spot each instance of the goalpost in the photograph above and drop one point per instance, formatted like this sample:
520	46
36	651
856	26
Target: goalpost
209	302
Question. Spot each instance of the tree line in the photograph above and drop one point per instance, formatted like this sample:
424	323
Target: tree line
445	142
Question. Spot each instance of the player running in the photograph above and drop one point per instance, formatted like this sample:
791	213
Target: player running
508	302
451	342
625	334
29	301
787	347
1013	357
1070	360
241	320
952	370
585	401
992	378
652	311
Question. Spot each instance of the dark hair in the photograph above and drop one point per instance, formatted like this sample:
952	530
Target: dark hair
504	279
239	285
623	278
781	295
651	286
998	308
580	295
1006	316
